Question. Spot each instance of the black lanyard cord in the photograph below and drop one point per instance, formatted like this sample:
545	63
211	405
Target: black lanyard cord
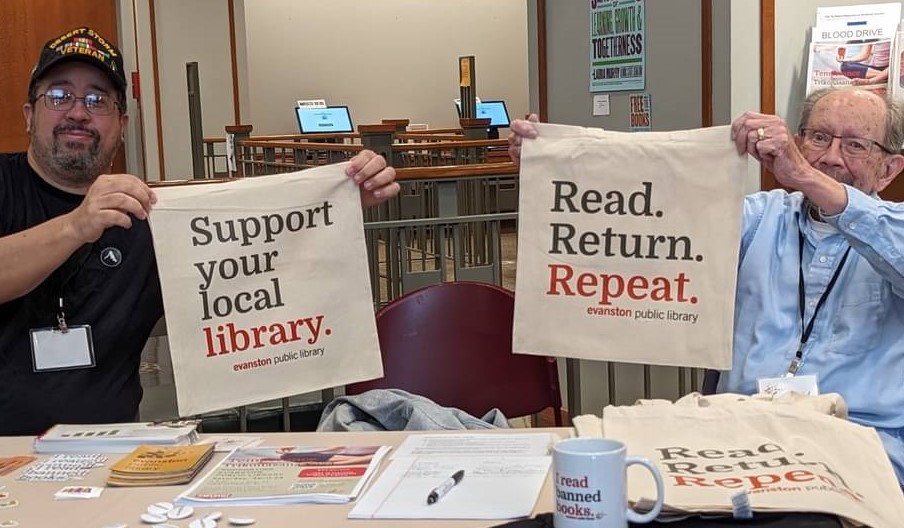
72	266
806	330
42	305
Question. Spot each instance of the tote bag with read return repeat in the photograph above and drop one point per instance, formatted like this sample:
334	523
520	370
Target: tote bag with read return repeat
787	457
628	245
265	287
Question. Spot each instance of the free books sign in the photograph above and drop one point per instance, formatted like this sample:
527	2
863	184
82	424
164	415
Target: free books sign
628	245
265	287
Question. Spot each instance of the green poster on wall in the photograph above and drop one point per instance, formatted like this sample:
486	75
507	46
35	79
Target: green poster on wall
617	53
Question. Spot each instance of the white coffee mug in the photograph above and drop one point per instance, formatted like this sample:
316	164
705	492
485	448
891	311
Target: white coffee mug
589	480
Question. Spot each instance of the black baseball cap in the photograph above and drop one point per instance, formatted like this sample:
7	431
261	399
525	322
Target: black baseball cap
85	45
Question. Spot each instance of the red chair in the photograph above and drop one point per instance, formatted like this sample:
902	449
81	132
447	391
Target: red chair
452	343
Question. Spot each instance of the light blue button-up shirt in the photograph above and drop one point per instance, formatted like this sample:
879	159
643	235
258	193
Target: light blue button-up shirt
856	347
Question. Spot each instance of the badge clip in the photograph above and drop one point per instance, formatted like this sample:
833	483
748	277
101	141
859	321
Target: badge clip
61	319
793	368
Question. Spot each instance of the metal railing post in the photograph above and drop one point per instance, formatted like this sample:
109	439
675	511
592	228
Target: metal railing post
239	133
194	120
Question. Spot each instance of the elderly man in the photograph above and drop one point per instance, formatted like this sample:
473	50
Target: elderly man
75	247
835	243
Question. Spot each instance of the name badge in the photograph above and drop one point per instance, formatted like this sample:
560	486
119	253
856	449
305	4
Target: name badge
55	349
801	384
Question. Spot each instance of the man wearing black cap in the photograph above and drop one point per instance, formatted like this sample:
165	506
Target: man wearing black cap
79	292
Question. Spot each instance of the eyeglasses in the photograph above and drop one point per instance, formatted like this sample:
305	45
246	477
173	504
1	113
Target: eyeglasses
851	147
63	101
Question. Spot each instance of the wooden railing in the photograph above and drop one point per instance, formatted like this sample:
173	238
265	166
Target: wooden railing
445	152
259	155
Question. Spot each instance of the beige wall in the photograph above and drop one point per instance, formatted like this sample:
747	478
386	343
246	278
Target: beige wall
744	67
195	31
384	59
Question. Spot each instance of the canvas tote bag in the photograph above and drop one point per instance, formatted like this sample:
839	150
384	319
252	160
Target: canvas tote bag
786	457
265	286
628	245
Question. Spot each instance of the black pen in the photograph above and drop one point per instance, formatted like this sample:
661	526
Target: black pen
440	491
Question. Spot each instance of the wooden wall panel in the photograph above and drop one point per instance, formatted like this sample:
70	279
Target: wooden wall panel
895	191
767	76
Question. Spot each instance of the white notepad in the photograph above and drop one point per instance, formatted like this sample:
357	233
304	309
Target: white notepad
493	487
476	445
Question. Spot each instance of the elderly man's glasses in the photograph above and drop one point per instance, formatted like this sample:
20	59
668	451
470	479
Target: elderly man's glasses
63	101
851	147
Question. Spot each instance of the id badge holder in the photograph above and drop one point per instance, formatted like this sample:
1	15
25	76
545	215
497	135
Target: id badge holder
62	348
806	384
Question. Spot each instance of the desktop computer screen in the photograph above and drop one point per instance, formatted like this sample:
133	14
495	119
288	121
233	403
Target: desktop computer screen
332	119
495	110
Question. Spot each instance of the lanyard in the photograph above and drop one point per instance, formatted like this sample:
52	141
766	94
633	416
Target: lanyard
67	272
806	330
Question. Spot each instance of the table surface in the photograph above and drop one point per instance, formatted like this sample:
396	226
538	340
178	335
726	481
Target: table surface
125	505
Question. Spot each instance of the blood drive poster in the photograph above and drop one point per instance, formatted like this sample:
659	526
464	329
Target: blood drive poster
628	245
265	287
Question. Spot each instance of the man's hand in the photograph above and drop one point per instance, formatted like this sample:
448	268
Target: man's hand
375	179
520	129
110	201
30	256
768	140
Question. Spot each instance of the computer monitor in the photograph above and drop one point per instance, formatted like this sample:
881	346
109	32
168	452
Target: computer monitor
495	110
329	120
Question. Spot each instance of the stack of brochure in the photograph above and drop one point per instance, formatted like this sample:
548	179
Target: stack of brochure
160	465
855	46
286	475
113	438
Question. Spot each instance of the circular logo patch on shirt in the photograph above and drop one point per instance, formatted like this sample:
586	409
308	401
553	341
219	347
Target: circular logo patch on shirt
111	257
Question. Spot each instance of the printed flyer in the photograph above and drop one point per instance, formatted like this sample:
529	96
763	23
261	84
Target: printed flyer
286	475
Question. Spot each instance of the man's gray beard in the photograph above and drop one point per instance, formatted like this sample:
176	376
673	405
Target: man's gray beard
74	166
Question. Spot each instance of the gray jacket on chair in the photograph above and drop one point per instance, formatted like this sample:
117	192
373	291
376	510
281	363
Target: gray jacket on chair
397	410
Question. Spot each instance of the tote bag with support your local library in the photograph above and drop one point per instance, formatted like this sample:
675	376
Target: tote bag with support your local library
265	286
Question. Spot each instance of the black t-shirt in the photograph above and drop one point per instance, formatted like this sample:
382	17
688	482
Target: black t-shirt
121	303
